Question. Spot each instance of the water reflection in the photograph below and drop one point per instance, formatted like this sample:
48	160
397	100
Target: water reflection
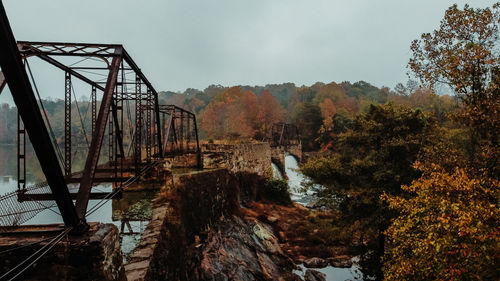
130	214
335	273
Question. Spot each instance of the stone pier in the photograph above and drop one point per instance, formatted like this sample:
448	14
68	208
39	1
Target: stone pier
93	256
278	154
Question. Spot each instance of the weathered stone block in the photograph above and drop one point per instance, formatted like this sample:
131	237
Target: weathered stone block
95	255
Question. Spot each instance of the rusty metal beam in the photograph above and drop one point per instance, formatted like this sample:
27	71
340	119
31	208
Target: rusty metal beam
68	49
93	101
198	152
67	123
58	64
139	73
63	67
24	98
2	82
99	179
97	139
167	134
49	197
119	134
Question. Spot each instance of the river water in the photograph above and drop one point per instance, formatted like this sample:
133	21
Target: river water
130	214
296	183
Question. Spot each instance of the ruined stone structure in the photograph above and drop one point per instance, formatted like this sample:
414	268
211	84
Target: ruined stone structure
191	223
249	157
178	246
93	256
245	157
278	154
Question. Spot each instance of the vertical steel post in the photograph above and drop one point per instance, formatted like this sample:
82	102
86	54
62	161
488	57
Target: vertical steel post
198	152
188	141
181	133
93	98
67	124
164	127
119	108
148	125
154	138
110	140
21	155
138	123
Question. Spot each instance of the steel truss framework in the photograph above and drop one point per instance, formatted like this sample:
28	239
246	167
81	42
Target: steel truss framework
283	134
161	129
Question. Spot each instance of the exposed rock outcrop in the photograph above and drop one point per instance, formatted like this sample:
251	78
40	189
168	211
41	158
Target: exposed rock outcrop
315	263
243	250
302	233
314	275
342	261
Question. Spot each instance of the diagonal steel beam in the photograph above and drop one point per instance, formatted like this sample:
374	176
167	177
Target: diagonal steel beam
83	196
167	133
63	67
119	134
59	65
139	73
2	82
24	98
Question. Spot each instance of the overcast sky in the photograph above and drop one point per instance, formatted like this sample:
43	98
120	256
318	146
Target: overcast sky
183	44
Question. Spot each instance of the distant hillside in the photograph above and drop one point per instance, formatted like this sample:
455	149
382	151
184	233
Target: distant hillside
305	106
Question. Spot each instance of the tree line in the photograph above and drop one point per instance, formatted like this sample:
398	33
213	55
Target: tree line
248	112
419	176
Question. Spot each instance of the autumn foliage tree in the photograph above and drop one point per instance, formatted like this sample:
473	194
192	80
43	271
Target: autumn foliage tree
325	133
448	223
464	54
374	156
447	231
235	113
270	112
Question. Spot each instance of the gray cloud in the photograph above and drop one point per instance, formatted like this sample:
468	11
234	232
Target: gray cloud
188	43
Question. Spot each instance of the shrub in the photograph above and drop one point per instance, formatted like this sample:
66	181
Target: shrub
277	190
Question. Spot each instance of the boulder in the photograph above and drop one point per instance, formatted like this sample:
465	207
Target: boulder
242	250
290	277
314	275
342	261
315	263
272	219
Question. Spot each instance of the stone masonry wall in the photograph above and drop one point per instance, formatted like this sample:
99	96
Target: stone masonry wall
93	256
147	260
245	157
189	160
278	155
181	219
184	216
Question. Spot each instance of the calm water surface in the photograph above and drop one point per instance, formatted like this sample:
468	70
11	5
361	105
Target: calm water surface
130	214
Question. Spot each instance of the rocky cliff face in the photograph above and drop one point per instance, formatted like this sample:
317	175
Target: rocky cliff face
243	250
200	231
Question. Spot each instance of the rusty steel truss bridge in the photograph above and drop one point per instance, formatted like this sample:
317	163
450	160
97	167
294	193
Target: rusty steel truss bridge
284	134
126	119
